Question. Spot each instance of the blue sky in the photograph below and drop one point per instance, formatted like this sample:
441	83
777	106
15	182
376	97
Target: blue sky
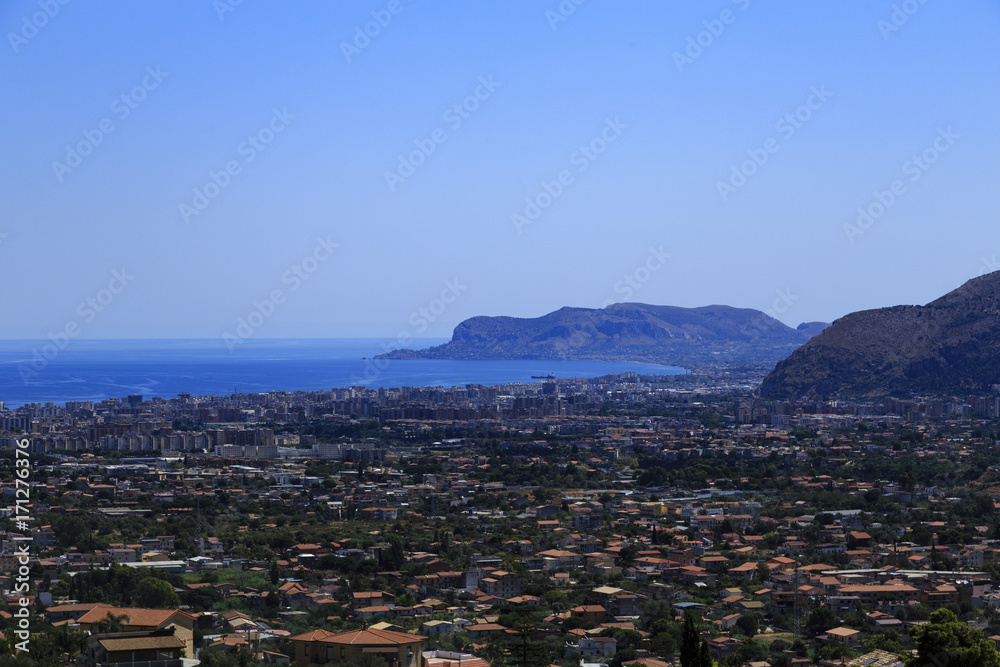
644	125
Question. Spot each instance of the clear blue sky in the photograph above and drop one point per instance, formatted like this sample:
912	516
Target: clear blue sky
678	128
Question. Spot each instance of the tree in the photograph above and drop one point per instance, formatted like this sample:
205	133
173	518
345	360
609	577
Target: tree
156	593
528	653
704	655
820	620
112	623
394	558
690	643
944	640
274	574
70	530
747	625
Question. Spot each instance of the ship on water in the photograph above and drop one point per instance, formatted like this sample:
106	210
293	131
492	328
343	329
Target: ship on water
550	376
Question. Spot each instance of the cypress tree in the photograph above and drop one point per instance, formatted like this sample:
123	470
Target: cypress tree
690	642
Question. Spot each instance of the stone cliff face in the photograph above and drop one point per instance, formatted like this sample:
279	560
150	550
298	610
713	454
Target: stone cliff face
949	346
623	332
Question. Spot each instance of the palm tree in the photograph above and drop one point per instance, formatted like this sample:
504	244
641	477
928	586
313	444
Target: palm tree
112	623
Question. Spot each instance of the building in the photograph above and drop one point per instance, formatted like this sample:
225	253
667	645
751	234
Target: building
137	619
452	659
397	649
594	647
139	649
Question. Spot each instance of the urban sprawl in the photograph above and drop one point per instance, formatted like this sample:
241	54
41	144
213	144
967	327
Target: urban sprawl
628	519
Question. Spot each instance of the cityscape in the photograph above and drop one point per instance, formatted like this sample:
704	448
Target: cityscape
563	333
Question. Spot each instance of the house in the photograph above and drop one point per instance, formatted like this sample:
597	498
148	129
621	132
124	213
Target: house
369	599
591	614
123	555
452	659
137	619
272	658
125	649
556	558
397	649
501	584
723	647
430	628
727	622
625	604
844	635
747	571
211	547
594	647
71	612
293	594
485	630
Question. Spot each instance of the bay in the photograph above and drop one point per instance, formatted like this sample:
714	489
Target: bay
92	370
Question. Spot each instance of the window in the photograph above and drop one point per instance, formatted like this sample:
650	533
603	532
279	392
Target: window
306	652
343	652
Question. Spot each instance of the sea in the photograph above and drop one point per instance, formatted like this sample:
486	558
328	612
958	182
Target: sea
40	371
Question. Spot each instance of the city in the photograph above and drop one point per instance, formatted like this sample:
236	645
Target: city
583	520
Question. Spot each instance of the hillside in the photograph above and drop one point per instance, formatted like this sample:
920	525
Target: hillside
623	332
949	346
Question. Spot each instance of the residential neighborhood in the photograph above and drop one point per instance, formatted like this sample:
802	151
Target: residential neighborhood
654	519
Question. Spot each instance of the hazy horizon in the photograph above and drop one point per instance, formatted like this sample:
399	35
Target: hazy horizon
363	171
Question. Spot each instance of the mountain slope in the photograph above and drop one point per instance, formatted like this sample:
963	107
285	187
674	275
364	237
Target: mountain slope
949	346
622	332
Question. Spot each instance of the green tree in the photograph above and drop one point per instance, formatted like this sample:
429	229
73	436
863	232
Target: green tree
820	620
944	640
156	593
747	625
690	643
704	655
112	623
70	530
526	652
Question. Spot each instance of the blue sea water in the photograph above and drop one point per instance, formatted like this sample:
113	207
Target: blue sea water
91	370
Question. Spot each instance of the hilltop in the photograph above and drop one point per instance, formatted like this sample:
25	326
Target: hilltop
949	346
625	332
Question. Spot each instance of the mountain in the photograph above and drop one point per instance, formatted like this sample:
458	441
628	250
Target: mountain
811	329
623	332
949	346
